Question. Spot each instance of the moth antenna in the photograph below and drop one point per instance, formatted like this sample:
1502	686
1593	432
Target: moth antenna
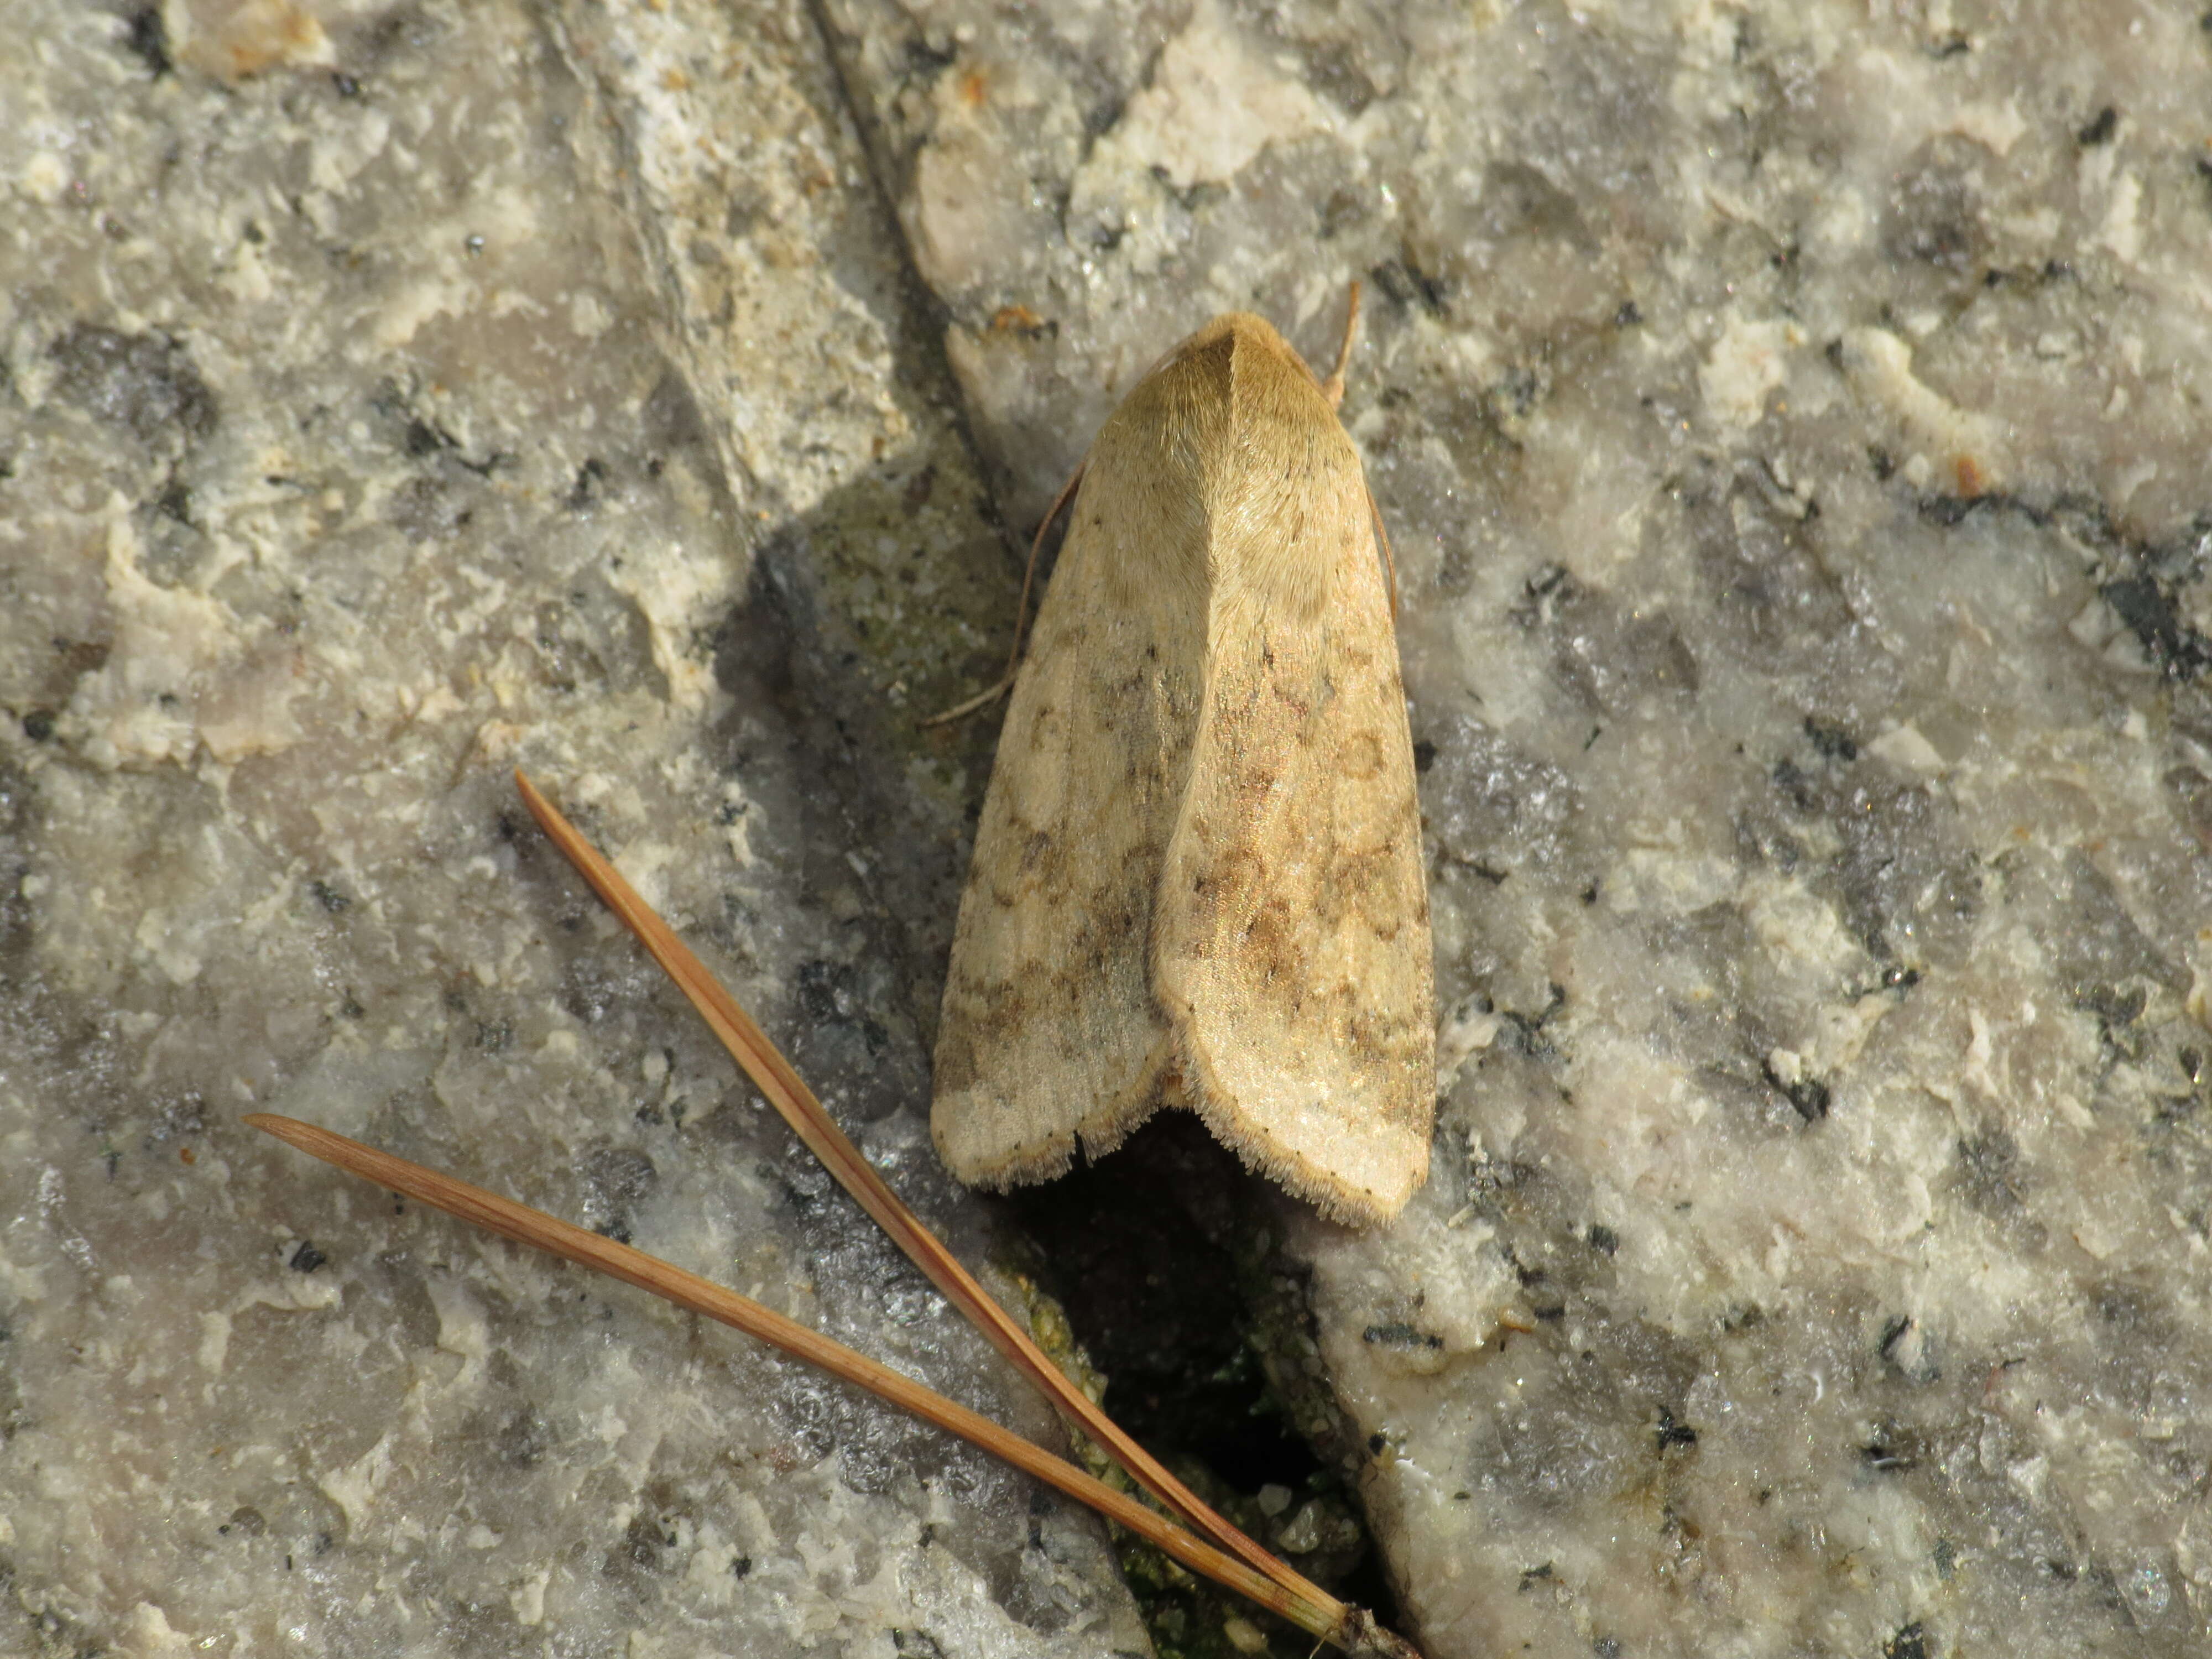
1005	682
1333	388
1383	539
1028	571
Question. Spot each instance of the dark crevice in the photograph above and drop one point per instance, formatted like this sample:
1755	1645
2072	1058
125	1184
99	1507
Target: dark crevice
1161	1254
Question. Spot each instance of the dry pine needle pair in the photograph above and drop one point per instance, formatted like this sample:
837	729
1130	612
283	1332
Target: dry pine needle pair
1197	882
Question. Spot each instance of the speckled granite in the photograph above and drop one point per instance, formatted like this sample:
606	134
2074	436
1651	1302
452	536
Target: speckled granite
1790	419
358	445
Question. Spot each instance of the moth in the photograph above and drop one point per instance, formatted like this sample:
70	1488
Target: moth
1197	880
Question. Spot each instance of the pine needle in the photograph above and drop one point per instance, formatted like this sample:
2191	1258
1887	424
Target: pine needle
541	1232
1220	1551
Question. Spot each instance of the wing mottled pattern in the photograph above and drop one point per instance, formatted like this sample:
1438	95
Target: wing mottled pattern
1291	945
1049	1029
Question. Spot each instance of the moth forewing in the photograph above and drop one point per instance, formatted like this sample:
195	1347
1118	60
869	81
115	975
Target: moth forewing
1197	876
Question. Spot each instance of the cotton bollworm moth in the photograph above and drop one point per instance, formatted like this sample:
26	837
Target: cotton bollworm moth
1197	877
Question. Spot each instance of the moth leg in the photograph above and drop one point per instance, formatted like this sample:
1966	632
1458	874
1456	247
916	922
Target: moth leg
1333	388
989	694
1006	681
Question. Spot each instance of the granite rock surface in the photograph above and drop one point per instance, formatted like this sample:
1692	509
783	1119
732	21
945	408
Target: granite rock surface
1790	422
374	420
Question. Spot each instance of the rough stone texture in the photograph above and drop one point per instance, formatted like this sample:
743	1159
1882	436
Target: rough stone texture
1789	418
364	431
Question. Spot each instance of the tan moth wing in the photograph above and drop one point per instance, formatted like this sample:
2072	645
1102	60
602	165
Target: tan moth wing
1198	873
1291	942
1050	1030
